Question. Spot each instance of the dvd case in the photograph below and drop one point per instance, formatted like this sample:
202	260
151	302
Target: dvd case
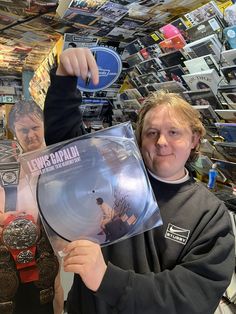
92	187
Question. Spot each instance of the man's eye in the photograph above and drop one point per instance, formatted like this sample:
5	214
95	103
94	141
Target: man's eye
152	134
174	132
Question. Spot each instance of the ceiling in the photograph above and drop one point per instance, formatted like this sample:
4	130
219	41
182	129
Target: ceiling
29	29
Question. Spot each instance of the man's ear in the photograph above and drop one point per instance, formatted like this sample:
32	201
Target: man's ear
195	140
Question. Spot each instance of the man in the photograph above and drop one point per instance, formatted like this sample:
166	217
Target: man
107	213
182	267
38	289
26	123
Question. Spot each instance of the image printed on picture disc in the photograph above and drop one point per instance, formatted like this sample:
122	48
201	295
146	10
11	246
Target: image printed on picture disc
106	179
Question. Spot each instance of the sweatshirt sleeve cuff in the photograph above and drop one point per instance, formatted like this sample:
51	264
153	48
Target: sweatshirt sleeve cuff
61	83
113	284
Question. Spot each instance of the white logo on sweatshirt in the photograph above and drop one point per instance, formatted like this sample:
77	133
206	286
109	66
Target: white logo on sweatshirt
177	234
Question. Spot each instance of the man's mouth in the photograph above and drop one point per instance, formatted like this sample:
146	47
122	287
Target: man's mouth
163	155
32	142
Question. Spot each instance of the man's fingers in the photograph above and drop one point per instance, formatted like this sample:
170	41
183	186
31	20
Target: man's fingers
79	62
78	243
67	66
82	64
93	68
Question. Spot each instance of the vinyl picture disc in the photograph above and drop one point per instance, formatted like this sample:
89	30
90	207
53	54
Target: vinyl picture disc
108	170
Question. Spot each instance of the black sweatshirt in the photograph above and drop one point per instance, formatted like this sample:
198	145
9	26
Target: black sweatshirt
182	267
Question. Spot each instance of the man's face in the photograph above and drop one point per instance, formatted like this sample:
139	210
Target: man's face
166	143
29	131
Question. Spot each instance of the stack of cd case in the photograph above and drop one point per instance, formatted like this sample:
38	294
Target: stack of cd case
74	180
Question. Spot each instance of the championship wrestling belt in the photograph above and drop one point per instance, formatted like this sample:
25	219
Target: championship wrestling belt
48	267
20	235
9	281
9	171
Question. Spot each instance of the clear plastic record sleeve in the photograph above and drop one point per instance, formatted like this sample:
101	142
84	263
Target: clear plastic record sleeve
79	183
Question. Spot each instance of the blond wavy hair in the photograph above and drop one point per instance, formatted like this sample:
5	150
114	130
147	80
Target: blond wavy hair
181	107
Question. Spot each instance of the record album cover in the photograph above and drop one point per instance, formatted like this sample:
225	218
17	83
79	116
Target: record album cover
202	97
174	73
205	28
227	149
149	66
93	187
227	131
78	5
227	114
228	93
209	117
171	86
203	13
228	57
230	74
204	46
202	63
134	59
173	58
202	80
72	41
230	14
230	35
148	78
132	104
131	93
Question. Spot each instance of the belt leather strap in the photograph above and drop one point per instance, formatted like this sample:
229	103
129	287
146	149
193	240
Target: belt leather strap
10	197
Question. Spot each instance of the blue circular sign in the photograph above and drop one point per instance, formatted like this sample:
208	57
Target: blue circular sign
109	66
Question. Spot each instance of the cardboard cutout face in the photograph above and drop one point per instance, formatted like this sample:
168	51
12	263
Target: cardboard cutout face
26	123
29	132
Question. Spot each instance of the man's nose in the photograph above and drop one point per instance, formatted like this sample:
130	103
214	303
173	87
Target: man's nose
30	133
161	140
